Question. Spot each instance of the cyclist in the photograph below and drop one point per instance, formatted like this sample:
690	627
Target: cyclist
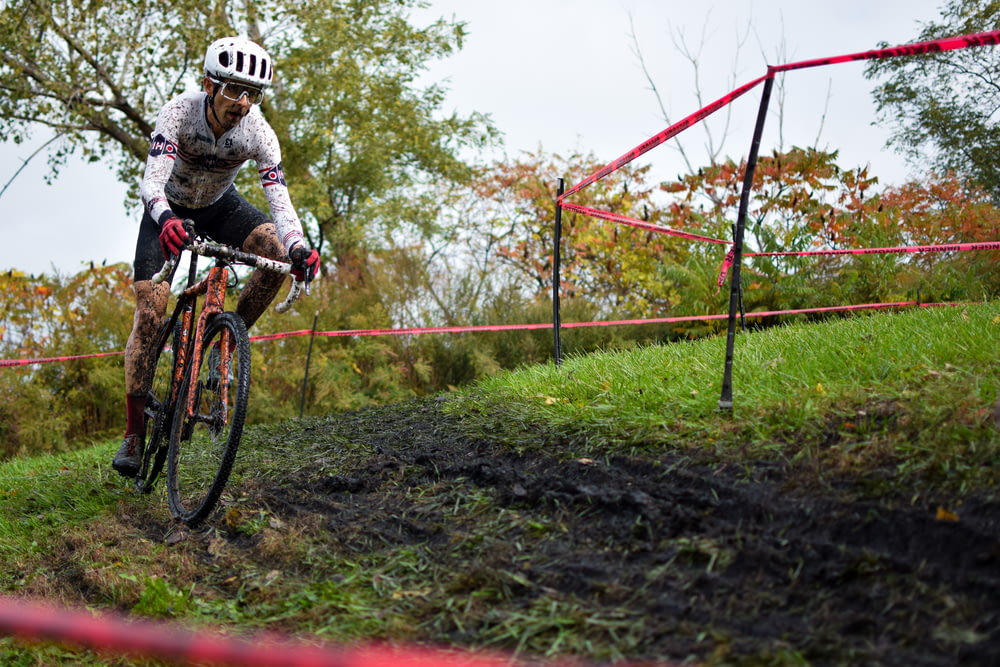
200	142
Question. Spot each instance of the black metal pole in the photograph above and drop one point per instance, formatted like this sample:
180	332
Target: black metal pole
735	290
309	354
557	244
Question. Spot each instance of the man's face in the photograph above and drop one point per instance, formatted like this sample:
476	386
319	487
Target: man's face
228	112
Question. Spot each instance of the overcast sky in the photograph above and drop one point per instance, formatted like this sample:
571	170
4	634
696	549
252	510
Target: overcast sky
561	75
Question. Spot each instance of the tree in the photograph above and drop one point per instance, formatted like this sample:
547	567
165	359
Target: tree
941	107
358	132
615	267
691	55
45	407
803	201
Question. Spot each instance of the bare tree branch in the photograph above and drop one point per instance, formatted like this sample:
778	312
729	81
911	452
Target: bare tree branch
24	163
714	146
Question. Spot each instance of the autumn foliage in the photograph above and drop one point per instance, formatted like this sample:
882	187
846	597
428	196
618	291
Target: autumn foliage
491	262
801	201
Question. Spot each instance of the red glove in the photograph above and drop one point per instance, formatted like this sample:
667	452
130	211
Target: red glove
305	263
172	237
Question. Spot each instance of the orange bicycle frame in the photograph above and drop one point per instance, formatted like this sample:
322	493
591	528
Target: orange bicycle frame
213	286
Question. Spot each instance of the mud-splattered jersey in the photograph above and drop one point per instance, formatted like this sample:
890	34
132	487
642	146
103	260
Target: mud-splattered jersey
187	165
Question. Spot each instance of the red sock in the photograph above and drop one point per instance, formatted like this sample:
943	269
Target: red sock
135	418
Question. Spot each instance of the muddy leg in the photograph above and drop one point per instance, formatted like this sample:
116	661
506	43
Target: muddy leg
151	304
262	286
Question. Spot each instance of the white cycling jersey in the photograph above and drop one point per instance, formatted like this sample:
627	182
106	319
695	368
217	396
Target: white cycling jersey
188	166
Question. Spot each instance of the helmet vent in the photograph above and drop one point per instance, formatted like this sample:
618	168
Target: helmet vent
237	59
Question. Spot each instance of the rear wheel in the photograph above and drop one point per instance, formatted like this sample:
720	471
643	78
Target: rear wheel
204	438
158	407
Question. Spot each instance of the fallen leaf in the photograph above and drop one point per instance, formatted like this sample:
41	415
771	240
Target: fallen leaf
176	538
945	515
410	594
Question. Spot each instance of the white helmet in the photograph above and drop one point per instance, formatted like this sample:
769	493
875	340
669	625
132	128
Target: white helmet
239	59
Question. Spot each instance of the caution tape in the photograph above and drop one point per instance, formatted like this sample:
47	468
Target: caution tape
765	313
642	224
727	263
945	247
113	633
666	134
933	46
45	360
730	257
626	220
413	331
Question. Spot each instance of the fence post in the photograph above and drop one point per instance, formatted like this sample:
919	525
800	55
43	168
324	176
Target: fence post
735	287
557	244
305	377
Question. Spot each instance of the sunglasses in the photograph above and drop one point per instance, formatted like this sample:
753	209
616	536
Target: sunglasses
235	91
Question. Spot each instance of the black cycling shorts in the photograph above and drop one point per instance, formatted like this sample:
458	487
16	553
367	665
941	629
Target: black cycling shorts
229	220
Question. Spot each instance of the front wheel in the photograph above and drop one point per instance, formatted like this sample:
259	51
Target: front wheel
208	419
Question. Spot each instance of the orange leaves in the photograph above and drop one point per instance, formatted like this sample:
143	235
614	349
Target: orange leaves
613	265
943	209
91	308
801	200
943	514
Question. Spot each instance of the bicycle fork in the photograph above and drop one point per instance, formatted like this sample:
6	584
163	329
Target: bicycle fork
214	288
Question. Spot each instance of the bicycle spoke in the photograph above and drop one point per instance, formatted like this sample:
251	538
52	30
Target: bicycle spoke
209	420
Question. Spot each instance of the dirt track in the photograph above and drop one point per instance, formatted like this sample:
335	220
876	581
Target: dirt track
701	560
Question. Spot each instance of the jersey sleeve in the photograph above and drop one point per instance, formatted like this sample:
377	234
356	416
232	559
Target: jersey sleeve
159	165
282	212
272	178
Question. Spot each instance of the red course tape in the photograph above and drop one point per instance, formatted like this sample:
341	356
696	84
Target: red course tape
500	327
935	46
946	247
625	220
27	362
113	633
938	45
655	141
727	263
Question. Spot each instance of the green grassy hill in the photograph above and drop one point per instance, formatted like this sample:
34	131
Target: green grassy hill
846	510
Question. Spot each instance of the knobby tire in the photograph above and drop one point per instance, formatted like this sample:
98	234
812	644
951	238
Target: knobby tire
203	446
158	406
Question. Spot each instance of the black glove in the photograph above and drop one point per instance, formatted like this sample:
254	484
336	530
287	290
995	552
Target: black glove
305	263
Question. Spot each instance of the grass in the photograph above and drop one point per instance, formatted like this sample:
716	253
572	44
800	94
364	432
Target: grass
913	392
913	389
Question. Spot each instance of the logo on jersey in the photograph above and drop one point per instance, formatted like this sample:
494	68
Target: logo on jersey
160	145
272	176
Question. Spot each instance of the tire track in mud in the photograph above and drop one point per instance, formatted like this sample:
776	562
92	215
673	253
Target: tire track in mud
705	559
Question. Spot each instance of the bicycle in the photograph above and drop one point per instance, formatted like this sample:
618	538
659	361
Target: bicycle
196	406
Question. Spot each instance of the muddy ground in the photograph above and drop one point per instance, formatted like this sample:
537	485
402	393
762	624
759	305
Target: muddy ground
698	560
708	559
